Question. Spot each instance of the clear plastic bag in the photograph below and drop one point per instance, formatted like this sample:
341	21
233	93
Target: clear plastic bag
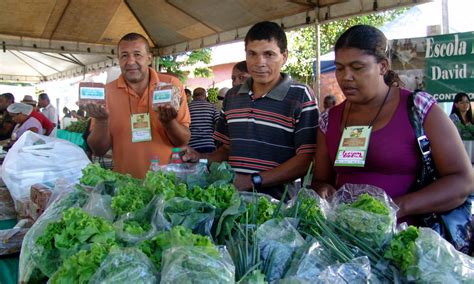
439	261
374	228
223	227
220	173
323	204
64	197
185	264
310	209
278	240
99	203
135	227
194	215
125	265
310	261
355	271
192	174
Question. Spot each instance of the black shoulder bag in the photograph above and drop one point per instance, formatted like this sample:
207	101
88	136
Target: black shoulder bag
455	225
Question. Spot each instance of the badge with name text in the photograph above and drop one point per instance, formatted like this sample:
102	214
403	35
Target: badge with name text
352	149
141	130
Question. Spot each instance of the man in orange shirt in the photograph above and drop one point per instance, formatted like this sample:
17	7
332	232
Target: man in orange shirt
130	97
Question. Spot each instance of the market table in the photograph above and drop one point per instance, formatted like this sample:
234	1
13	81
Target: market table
73	137
9	263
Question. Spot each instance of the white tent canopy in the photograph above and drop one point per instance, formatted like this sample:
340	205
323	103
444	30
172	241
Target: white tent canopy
54	39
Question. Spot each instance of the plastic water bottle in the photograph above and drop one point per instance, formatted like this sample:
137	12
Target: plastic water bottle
154	164
175	157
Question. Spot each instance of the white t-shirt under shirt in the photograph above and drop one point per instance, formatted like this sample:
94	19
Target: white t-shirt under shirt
50	112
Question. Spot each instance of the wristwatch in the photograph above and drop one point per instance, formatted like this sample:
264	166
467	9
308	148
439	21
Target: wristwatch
257	180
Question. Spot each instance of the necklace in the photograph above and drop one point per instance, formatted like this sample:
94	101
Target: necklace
378	112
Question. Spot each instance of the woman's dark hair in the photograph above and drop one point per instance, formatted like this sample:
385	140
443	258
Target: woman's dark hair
267	31
373	42
455	110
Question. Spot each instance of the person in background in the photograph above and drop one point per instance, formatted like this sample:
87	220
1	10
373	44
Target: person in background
47	125
21	114
461	112
81	113
48	110
6	121
130	97
203	119
66	112
189	96
239	73
268	123
220	98
375	99
329	102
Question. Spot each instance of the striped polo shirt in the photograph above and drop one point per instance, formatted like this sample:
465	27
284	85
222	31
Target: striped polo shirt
266	132
203	119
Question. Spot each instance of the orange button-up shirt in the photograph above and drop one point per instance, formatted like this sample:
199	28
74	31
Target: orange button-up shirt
134	158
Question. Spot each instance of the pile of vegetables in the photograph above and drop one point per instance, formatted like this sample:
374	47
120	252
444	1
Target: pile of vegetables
114	228
77	238
212	95
79	126
466	131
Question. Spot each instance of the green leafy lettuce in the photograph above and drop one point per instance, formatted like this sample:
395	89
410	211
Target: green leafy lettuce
130	197
368	218
93	174
74	231
402	249
178	236
80	267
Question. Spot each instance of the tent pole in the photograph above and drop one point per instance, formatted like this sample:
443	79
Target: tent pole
317	75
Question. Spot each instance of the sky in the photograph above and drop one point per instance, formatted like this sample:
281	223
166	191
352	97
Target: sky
415	21
409	25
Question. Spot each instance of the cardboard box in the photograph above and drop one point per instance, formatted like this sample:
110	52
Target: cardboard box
40	195
7	206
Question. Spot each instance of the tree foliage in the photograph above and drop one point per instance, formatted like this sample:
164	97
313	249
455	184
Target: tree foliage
175	63
302	43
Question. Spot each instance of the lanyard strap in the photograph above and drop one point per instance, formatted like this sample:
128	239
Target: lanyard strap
147	90
378	112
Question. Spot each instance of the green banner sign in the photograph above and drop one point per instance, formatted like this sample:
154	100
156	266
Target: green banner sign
442	65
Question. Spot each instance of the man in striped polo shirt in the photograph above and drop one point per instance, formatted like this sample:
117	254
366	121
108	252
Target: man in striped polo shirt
268	123
203	119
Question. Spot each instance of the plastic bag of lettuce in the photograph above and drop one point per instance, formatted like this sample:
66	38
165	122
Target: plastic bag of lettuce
125	265
37	261
278	240
366	212
197	265
423	256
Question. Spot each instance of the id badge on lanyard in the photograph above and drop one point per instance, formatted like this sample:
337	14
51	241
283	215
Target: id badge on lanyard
353	146
141	130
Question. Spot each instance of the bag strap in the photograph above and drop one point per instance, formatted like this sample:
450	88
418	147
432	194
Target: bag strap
428	168
417	125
